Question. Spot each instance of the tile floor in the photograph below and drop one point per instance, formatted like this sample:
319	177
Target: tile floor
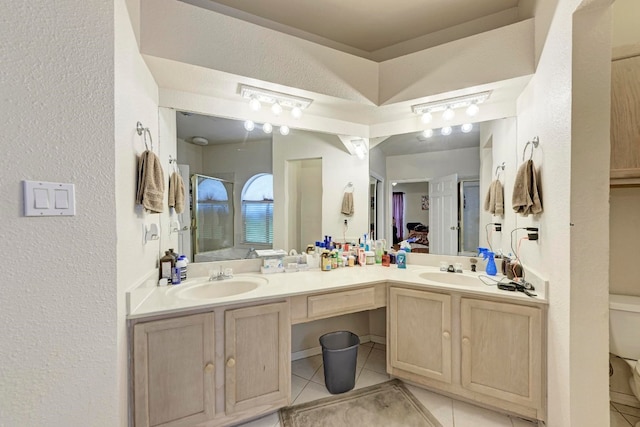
622	415
307	383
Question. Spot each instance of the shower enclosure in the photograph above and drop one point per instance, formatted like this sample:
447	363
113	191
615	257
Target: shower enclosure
213	214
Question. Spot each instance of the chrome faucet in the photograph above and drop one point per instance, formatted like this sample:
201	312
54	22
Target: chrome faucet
221	274
251	254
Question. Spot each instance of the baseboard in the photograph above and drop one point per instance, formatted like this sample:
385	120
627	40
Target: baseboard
624	399
303	354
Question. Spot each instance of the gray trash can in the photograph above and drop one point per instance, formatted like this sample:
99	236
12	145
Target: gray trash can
339	355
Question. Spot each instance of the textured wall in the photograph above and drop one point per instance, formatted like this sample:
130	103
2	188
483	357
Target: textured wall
136	99
58	298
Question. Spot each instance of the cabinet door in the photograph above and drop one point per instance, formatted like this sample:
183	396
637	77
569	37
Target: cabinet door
420	333
258	357
501	351
625	116
173	371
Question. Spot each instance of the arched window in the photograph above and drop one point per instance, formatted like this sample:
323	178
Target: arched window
257	209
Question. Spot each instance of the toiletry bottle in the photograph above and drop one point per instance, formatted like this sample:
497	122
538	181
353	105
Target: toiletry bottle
166	266
491	263
401	259
326	261
182	265
334	260
175	276
362	258
379	251
386	259
174	255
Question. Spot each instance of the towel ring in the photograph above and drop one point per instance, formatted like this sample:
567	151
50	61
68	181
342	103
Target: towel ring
499	168
534	144
349	188
144	131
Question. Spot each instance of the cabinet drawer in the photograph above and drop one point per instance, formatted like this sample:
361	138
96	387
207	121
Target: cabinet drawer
341	302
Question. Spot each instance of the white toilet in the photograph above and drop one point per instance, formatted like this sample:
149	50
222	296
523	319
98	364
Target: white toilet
624	335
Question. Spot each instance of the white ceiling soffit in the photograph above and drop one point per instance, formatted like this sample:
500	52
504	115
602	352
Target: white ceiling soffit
415	142
215	129
374	29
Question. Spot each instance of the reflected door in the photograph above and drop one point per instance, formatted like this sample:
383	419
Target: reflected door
212	200
184	219
443	215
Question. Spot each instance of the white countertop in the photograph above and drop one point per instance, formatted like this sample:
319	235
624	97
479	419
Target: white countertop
151	301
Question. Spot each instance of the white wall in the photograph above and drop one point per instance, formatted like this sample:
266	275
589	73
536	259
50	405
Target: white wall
558	106
190	154
465	162
338	169
136	99
58	305
500	137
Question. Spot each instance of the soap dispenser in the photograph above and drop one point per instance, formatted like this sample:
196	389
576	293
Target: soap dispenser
491	269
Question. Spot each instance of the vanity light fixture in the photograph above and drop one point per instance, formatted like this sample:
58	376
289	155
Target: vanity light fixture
446	130
255	104
426	117
277	100
284	130
466	128
427	133
267	128
470	102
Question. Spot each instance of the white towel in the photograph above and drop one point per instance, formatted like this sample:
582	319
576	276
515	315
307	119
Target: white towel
176	192
150	191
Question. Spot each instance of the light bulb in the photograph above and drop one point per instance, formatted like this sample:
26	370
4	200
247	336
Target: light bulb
254	104
267	128
427	133
296	112
448	114
466	128
394	183
472	109
249	125
284	130
426	118
446	130
276	109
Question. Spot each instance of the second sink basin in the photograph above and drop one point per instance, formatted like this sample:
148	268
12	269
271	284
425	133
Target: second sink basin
450	278
219	289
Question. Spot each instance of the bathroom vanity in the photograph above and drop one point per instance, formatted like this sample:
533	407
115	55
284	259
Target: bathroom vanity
219	361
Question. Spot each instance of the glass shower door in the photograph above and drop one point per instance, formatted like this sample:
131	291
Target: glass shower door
213	213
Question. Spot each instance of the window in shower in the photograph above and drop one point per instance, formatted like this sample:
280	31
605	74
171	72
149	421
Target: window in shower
213	213
257	210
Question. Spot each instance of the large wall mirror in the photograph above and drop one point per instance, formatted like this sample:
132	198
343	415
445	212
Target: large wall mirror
251	189
435	183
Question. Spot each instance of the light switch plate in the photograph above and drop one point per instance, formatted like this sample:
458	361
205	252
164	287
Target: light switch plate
49	199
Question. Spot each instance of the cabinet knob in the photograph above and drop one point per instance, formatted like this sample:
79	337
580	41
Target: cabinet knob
466	340
446	335
208	368
231	362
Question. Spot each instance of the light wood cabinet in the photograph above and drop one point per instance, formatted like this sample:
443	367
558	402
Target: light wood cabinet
625	117
174	372
420	333
501	351
257	357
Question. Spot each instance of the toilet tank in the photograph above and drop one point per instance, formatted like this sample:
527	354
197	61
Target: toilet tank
624	326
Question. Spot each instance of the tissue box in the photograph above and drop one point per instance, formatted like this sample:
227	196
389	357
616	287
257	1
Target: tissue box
272	260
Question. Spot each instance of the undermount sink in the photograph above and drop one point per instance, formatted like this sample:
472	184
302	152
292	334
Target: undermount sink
218	288
450	278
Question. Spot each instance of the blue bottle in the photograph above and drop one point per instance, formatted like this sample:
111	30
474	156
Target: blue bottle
401	259
491	269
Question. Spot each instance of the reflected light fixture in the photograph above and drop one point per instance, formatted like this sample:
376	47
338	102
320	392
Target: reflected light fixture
466	128
249	125
427	133
470	102
267	128
446	130
359	148
284	130
277	100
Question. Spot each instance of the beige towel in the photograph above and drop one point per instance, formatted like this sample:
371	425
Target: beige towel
526	194
347	203
150	192
494	200
176	192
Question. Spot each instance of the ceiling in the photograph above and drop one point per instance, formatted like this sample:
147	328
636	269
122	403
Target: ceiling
215	129
415	142
366	27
